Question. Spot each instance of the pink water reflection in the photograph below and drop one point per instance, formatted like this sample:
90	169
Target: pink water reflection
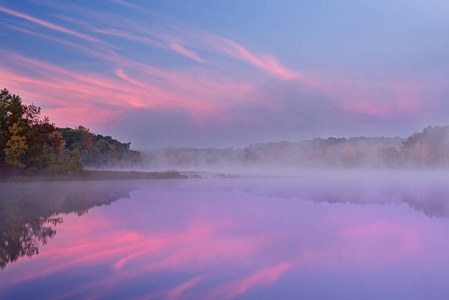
202	240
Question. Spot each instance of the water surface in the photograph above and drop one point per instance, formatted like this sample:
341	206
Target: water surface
260	238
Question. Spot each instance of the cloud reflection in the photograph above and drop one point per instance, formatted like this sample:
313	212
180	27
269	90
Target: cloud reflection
234	238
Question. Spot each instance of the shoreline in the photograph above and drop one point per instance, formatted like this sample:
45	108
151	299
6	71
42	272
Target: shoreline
92	175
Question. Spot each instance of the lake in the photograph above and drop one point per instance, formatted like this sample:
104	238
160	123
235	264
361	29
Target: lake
320	237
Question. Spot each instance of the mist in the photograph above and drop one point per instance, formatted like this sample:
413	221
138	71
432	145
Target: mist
422	151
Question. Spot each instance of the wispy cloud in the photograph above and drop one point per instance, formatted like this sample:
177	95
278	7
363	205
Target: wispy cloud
210	42
117	92
265	62
48	24
182	50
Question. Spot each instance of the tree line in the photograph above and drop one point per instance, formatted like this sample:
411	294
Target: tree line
427	149
30	144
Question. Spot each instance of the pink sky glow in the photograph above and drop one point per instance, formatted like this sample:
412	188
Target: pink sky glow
134	73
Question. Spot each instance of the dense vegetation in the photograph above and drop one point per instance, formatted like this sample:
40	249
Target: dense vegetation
427	149
30	144
99	151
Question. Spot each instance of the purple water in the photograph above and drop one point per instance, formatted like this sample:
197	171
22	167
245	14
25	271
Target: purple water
261	238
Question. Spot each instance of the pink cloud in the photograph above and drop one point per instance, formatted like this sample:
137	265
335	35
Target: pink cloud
265	62
77	92
199	39
213	43
384	99
204	94
403	102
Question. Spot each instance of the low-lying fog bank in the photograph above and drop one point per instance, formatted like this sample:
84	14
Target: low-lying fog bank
427	150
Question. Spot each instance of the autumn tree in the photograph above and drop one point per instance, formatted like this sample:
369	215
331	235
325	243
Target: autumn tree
16	147
26	138
99	151
11	111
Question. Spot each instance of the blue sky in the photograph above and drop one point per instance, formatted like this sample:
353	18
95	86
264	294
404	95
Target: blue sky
230	73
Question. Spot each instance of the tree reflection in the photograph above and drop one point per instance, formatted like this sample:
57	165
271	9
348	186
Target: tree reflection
29	212
429	197
433	202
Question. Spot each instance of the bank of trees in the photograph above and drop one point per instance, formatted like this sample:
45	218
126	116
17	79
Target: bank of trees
30	144
27	140
98	151
427	149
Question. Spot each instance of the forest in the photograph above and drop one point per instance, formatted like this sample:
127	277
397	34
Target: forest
428	149
31	145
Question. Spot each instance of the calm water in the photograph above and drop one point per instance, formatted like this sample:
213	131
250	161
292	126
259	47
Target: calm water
297	238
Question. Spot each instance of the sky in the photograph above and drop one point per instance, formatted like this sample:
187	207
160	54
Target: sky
229	73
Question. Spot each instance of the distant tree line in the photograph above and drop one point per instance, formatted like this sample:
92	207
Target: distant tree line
30	144
426	149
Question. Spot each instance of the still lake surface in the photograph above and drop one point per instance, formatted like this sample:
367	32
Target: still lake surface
322	237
